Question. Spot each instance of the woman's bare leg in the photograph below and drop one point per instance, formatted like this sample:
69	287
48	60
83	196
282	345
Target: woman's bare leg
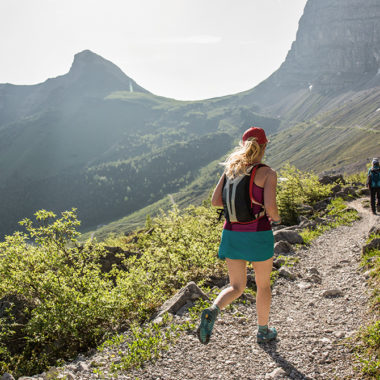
237	272
264	294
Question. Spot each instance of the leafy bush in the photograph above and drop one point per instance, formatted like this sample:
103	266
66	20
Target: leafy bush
71	304
296	188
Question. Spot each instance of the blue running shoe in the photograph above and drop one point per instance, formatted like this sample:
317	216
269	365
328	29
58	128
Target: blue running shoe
271	334
208	319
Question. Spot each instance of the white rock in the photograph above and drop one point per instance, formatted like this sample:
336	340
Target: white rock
339	334
304	285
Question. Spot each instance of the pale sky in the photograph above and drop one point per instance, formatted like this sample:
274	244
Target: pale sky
183	49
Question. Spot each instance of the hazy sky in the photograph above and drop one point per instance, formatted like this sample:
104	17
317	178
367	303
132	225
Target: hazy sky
184	49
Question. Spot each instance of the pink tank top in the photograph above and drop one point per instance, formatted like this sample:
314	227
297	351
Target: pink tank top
261	224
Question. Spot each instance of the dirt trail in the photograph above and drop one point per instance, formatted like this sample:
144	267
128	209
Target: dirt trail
311	327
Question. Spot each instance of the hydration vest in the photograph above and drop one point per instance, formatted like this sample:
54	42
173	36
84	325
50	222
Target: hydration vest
374	175
237	196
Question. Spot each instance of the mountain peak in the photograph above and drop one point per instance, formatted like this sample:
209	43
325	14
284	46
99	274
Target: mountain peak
86	58
99	73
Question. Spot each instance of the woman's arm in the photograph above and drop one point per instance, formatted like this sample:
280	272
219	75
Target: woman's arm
216	199
270	204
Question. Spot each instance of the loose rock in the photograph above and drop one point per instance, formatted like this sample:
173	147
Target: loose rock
291	237
332	293
283	247
286	272
190	293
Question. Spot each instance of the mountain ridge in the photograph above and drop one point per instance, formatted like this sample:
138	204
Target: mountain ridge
89	120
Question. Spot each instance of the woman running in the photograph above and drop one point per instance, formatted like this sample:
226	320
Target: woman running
247	242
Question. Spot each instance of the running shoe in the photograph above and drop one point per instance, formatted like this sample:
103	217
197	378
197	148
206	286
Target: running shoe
208	319
271	334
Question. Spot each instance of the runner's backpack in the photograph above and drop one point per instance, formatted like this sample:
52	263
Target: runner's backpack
375	178
237	196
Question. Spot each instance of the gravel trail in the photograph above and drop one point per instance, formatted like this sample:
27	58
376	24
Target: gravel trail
315	315
312	327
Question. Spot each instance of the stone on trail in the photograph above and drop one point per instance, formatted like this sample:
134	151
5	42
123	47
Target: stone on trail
190	293
291	237
285	272
283	247
304	285
332	293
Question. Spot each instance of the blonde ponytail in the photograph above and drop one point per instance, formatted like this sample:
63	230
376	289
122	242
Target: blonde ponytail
245	155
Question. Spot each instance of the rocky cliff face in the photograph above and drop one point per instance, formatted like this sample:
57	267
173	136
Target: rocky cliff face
337	48
337	44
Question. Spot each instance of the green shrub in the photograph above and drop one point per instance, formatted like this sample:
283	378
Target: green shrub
296	188
71	305
70	302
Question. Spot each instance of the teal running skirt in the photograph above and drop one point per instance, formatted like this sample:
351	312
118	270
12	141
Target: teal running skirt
249	246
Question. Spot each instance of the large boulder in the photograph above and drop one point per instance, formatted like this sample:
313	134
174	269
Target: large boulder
291	237
186	296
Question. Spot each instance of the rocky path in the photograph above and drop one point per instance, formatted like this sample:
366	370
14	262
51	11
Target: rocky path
315	315
312	325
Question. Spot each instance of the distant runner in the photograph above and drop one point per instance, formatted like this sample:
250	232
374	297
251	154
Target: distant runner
373	183
247	191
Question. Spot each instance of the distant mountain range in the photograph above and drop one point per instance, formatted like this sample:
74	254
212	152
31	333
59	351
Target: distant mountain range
96	140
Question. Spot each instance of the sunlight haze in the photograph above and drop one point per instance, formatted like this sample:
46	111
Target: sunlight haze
175	48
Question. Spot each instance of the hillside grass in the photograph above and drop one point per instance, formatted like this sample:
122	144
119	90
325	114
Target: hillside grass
192	194
344	135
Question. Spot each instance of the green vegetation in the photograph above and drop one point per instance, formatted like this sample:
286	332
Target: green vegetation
296	188
341	138
194	194
68	302
367	347
113	155
62	297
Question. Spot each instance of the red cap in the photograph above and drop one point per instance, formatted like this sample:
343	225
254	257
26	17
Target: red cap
255	132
